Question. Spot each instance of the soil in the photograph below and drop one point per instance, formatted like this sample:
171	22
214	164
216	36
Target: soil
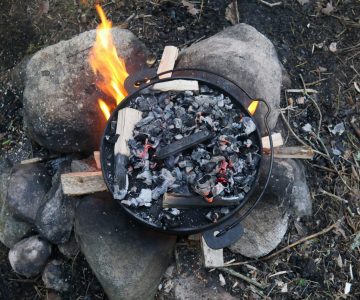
304	36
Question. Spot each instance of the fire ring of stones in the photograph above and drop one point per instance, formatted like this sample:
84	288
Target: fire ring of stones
185	143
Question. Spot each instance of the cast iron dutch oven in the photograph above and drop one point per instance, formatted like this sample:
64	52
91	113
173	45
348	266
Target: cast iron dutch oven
228	229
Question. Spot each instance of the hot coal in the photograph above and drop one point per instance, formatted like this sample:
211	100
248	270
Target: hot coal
201	144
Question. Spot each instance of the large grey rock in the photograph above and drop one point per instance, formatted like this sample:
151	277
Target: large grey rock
60	98
29	256
11	229
128	259
189	287
287	194
245	55
264	229
27	188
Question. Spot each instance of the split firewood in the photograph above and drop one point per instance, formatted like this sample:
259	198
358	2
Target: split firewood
276	139
299	152
212	258
167	63
172	200
97	159
127	119
176	85
82	183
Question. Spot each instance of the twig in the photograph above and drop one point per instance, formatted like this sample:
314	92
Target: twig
271	5
304	91
296	136
307	238
332	195
243	277
315	104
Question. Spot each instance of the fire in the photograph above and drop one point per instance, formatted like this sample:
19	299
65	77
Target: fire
252	107
105	62
104	108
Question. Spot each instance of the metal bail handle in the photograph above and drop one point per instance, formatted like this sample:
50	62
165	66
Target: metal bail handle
218	241
230	231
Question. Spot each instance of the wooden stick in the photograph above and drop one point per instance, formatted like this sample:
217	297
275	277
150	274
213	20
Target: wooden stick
309	237
299	152
276	139
82	183
167	62
127	119
38	159
97	159
176	85
212	258
306	91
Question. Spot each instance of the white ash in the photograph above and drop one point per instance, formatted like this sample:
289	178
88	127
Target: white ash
144	199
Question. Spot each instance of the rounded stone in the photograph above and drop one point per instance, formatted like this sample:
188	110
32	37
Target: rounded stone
29	256
55	219
27	188
61	111
54	276
11	230
69	249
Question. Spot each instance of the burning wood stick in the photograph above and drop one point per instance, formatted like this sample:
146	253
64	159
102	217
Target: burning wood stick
172	200
82	183
127	119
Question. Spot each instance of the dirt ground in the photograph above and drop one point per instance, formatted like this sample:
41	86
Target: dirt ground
319	46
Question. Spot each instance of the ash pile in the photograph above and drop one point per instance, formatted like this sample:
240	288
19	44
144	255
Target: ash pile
190	144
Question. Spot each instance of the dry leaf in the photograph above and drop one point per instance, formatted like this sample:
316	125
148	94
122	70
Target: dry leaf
232	13
333	47
190	7
302	2
44	7
328	9
347	288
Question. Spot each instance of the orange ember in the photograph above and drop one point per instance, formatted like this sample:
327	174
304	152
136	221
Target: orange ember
107	64
252	107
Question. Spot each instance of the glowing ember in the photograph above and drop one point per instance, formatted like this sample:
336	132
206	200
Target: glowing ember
252	107
106	63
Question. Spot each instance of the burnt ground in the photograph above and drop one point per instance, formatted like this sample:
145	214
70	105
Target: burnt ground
302	34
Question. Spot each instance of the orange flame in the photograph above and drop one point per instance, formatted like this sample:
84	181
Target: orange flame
106	63
252	107
104	108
